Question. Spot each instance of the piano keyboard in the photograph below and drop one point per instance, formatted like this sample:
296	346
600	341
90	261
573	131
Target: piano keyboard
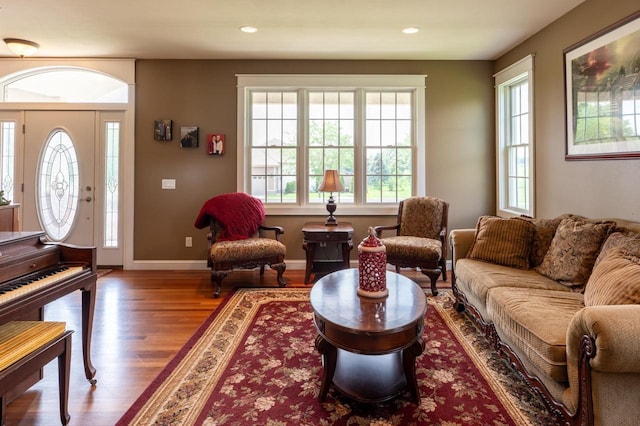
31	283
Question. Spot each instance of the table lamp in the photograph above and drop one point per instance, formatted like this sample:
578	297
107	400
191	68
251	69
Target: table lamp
331	183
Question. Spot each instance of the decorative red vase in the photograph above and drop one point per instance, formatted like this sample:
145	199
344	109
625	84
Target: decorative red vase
372	267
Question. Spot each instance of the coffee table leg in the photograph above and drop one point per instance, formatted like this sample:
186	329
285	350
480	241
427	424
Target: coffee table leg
329	356
409	356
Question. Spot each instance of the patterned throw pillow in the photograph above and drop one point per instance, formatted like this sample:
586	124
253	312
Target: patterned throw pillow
614	281
544	230
502	241
620	240
573	251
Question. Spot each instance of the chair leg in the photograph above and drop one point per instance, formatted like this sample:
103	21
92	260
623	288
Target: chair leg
433	275
217	277
443	266
280	268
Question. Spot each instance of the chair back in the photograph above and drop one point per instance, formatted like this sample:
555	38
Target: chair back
423	217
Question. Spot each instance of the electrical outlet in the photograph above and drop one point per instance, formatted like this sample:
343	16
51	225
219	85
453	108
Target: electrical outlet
188	242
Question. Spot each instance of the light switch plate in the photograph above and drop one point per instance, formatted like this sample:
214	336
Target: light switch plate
168	184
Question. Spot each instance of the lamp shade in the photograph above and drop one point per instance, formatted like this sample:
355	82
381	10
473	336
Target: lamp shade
21	47
331	182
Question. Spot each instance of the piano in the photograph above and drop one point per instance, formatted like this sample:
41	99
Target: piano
34	272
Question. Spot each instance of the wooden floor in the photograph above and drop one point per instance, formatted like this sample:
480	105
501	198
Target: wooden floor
142	319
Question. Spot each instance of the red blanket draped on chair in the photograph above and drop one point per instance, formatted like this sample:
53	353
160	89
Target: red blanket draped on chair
238	213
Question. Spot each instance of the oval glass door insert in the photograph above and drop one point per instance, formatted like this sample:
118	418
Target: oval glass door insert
58	186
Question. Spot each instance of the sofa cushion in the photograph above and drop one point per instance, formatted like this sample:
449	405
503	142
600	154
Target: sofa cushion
475	278
614	281
536	321
573	251
502	241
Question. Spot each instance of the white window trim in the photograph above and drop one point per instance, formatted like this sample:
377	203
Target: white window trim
502	79
247	82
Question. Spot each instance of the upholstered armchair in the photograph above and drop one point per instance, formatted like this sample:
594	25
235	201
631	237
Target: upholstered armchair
238	238
420	237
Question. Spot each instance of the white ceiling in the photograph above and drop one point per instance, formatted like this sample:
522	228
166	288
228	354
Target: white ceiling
288	29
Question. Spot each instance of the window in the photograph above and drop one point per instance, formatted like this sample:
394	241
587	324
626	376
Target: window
7	158
58	185
293	128
63	84
111	185
515	159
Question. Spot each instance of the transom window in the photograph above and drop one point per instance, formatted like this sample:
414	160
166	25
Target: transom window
64	84
369	128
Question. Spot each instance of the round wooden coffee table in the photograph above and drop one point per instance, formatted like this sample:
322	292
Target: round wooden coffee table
369	346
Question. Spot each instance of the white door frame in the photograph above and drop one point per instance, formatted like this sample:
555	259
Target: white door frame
122	69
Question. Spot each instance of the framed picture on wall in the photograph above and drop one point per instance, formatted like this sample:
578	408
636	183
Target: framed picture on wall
189	137
602	91
162	130
215	144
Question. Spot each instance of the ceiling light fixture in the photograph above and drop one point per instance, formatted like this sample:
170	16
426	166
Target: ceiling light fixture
248	29
20	47
411	30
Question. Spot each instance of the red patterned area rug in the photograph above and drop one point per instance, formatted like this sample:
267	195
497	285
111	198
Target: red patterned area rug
253	362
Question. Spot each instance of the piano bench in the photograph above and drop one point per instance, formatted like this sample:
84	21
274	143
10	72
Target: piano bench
25	348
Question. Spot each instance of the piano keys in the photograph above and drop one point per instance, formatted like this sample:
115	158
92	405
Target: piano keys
34	272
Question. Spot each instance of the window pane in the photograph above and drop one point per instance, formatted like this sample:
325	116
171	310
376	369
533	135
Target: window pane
112	184
66	85
7	163
259	132
58	186
258	105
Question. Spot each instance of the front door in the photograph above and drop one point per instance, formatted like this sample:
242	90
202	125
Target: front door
59	175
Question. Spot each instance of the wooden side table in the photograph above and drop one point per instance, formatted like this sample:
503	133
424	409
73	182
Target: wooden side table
317	234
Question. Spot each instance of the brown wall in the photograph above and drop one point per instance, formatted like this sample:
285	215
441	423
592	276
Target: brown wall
591	188
459	137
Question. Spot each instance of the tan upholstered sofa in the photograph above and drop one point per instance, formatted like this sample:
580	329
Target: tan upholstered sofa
559	298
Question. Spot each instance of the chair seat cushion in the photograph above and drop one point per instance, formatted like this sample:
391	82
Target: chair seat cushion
247	249
409	248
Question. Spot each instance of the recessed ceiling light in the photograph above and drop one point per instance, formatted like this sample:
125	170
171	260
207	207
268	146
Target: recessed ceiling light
248	29
411	30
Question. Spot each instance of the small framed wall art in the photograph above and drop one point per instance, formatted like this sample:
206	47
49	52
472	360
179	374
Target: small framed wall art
215	144
162	130
189	136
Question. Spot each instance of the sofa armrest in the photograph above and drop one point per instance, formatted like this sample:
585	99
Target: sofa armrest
615	349
460	242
